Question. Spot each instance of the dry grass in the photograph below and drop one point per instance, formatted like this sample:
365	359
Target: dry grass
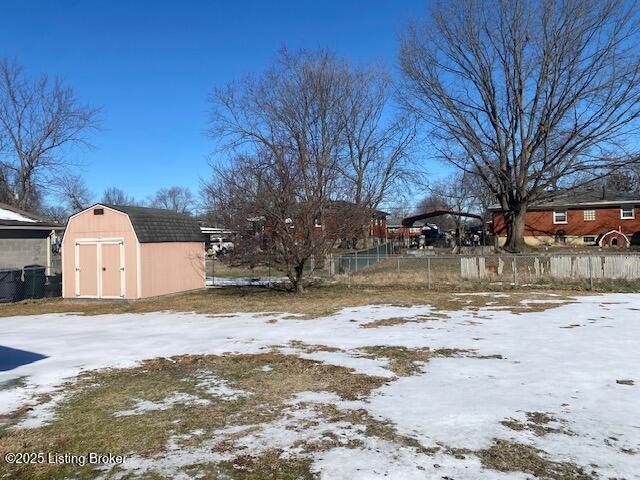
537	423
270	465
514	457
316	301
405	361
625	382
386	322
311	348
373	428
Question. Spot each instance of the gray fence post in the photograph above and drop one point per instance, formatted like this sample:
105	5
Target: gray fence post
429	273
356	262
515	271
590	272
398	260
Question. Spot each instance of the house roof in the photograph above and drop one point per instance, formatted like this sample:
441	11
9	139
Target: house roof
583	197
156	225
14	218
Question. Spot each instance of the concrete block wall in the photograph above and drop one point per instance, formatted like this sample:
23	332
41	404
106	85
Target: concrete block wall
18	252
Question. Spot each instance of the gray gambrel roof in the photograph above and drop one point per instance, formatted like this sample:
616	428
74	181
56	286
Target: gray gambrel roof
156	225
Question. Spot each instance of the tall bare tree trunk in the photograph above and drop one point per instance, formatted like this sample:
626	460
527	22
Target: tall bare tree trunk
297	280
515	222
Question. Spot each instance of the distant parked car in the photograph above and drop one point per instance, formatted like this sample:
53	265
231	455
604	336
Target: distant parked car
220	246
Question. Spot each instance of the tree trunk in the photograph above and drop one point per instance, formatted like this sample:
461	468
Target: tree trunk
5	196
515	230
297	278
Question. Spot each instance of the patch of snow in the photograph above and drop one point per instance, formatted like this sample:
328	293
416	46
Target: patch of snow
142	406
244	281
170	462
42	413
315	397
218	387
484	294
543	301
367	366
569	373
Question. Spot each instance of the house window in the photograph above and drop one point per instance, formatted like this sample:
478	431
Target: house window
627	212
559	216
589	215
589	239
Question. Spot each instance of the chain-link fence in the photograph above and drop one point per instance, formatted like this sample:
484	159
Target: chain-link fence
381	265
316	268
264	273
576	270
357	261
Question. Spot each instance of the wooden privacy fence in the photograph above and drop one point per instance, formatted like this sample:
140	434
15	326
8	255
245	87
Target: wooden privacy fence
626	267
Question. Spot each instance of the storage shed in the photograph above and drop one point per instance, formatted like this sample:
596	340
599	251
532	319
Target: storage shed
115	251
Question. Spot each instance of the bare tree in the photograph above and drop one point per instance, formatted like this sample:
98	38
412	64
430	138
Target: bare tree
457	193
55	213
39	120
525	94
72	193
376	147
286	127
115	196
375	153
178	199
626	179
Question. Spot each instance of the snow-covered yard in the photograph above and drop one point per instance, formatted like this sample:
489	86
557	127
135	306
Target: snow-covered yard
451	390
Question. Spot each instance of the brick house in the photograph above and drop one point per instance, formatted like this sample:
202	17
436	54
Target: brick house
344	220
578	217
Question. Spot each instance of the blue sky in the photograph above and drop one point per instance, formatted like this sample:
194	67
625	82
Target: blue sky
150	66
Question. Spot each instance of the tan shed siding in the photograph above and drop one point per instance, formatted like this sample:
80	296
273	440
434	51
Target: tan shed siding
171	267
111	224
